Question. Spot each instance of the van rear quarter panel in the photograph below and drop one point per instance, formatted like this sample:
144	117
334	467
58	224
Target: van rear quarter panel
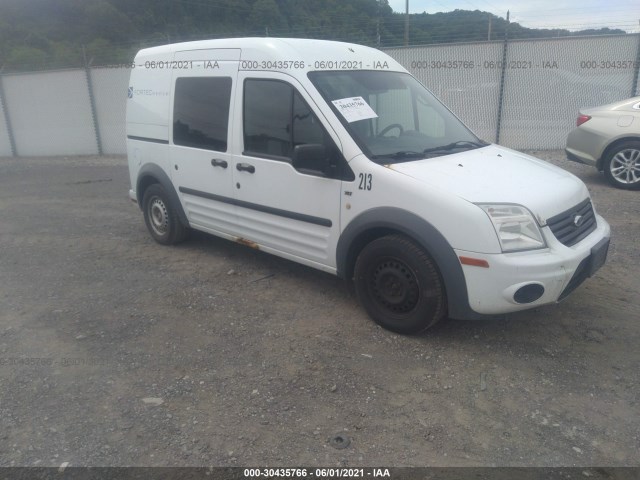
149	95
148	112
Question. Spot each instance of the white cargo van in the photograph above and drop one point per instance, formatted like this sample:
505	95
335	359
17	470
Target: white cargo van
333	155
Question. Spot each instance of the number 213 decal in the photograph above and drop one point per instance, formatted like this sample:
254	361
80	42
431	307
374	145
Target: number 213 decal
365	181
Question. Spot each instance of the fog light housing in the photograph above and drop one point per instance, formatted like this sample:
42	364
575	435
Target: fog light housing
529	293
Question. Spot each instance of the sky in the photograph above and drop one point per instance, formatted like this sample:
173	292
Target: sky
569	14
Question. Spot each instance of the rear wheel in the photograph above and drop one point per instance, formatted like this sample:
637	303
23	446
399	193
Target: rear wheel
622	166
161	216
399	286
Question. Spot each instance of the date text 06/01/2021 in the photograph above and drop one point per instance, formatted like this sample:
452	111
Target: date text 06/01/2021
317	473
486	64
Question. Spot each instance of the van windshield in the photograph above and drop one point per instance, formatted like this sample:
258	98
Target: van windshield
392	117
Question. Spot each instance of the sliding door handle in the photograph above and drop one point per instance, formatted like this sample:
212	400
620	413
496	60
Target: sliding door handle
219	163
245	167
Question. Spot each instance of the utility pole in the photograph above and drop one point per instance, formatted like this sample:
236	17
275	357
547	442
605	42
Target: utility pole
636	72
406	25
92	100
7	120
502	76
378	24
489	33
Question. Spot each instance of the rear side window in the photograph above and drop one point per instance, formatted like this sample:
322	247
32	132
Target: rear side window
201	112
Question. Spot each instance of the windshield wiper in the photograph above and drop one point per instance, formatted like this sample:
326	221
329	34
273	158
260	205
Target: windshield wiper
400	155
453	145
404	155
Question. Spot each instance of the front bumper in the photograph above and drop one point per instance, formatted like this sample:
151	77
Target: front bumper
585	146
579	157
557	269
587	267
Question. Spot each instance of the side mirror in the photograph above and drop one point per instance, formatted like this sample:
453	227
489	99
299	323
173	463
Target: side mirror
311	158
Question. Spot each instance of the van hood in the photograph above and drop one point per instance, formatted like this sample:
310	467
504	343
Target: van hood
495	174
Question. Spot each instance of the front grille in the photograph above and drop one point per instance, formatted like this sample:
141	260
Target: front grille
564	225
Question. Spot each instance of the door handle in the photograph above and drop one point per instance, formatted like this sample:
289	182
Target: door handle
245	167
219	163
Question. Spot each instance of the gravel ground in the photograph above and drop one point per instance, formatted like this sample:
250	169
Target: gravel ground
116	351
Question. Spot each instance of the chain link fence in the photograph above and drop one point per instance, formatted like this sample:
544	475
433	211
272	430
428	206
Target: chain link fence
523	94
544	83
540	104
456	75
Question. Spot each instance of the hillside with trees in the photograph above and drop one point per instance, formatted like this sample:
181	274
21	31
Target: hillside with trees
44	34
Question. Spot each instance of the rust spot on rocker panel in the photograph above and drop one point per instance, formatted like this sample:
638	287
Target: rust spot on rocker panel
248	243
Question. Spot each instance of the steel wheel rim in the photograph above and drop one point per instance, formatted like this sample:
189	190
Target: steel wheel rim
158	216
394	286
625	166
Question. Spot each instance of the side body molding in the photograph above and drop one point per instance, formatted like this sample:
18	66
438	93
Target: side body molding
388	219
152	173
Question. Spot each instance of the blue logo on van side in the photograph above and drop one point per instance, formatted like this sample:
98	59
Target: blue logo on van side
130	92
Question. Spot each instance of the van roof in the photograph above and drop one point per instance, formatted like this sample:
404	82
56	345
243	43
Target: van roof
284	49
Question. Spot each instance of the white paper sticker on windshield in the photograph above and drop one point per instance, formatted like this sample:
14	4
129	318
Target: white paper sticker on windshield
354	109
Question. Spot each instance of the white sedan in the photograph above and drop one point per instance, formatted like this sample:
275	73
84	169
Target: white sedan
608	138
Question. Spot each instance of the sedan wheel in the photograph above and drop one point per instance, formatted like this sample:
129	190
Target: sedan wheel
622	166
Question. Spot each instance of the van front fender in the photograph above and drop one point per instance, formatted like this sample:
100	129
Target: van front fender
386	220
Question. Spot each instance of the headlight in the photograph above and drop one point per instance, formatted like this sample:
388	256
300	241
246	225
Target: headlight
515	226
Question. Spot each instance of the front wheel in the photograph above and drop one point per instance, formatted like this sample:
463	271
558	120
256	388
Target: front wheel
399	286
161	217
622	166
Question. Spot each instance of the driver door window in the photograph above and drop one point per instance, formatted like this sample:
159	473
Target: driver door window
277	119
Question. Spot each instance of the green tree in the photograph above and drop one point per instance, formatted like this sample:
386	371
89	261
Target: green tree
49	33
107	21
66	54
265	14
26	58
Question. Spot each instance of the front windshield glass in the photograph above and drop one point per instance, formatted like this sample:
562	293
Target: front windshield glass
392	117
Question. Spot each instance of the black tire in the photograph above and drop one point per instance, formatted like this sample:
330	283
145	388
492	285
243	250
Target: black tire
161	217
399	286
622	165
